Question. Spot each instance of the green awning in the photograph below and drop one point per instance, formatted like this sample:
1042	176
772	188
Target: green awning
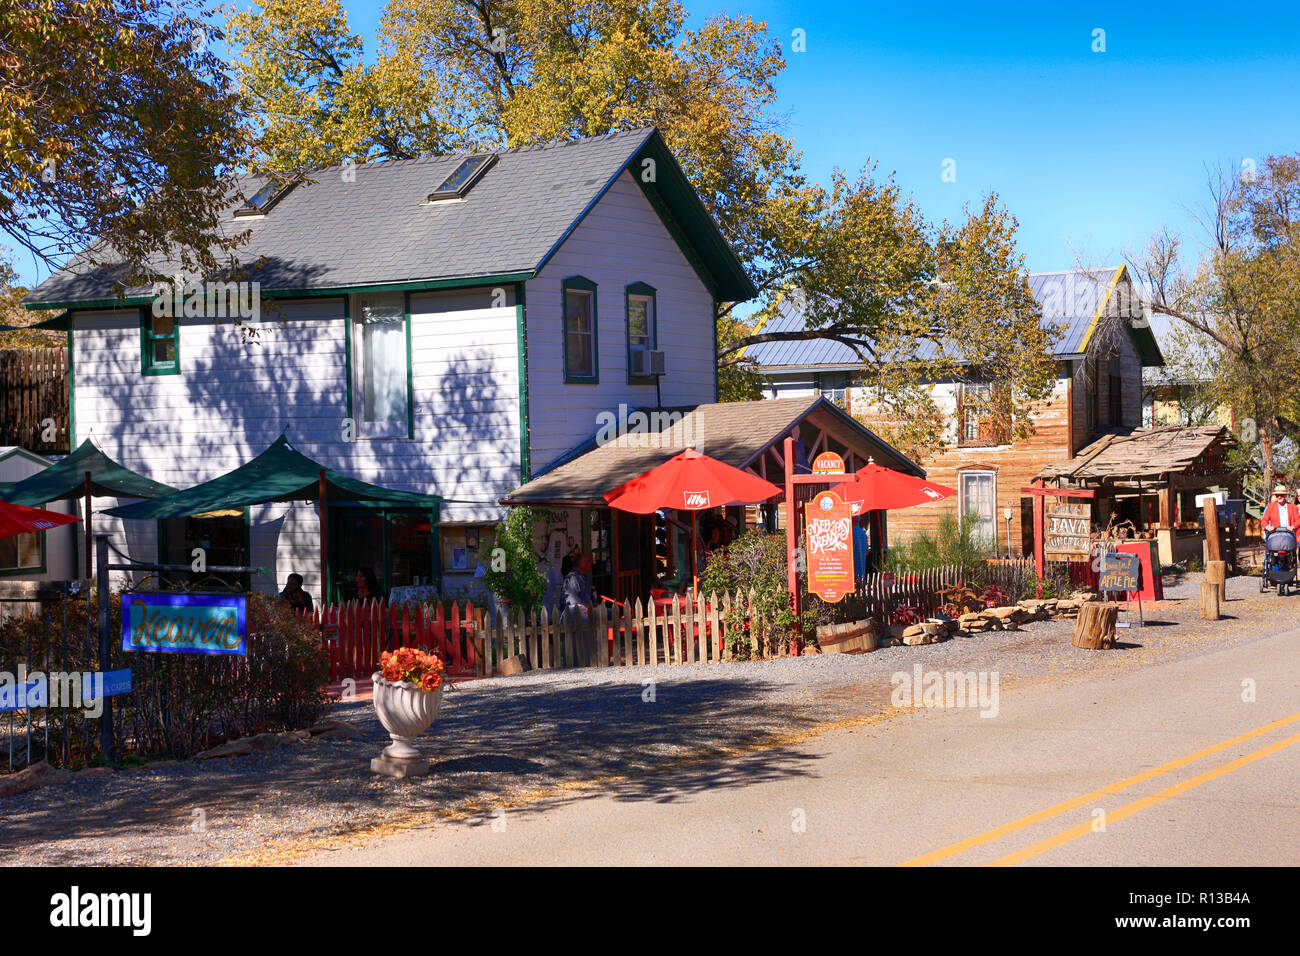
67	479
281	473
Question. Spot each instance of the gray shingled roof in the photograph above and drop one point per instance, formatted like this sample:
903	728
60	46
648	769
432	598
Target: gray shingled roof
732	432
1070	298
330	233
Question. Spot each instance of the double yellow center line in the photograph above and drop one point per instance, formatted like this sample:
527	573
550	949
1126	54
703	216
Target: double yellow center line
1128	810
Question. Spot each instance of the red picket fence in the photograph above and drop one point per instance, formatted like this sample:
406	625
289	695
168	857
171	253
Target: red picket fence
357	632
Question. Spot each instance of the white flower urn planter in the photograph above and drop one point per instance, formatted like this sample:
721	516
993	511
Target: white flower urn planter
406	712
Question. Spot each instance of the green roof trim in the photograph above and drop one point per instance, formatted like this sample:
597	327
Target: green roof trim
280	473
415	286
686	217
67	480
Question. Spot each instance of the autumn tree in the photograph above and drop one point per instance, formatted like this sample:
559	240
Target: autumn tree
118	130
1241	298
474	74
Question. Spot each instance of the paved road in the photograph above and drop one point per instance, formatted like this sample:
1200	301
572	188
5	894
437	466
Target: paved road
1163	765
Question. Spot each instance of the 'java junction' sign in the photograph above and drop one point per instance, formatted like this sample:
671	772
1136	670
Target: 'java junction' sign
187	623
1069	530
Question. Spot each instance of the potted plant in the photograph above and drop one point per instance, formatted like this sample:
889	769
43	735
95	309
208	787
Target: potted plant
408	692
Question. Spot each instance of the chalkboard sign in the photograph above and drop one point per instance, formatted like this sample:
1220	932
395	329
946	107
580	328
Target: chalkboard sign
1120	572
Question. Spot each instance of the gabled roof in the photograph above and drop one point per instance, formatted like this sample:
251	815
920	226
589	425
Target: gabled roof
735	433
371	225
1076	299
281	473
67	479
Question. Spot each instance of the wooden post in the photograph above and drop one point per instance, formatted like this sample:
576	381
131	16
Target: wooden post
1213	549
1040	534
1216	573
321	495
89	543
1094	628
791	532
1209	601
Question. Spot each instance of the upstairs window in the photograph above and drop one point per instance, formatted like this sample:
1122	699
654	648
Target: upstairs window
381	364
580	343
160	344
834	387
981	419
641	330
463	177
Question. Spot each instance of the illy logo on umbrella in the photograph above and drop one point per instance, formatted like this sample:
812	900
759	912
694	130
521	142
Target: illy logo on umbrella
696	499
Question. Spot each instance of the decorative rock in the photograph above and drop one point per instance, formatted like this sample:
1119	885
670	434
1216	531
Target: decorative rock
264	741
913	630
921	638
809	650
515	665
336	728
33	777
91	773
233	748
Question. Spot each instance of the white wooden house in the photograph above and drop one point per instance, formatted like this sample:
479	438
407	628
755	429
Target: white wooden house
447	324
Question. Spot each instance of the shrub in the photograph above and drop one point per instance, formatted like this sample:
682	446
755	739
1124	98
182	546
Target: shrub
756	562
512	574
954	544
179	703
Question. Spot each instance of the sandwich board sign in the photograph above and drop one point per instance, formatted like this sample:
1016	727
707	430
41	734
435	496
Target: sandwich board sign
1121	571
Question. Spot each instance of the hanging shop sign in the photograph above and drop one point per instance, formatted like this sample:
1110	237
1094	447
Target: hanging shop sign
1069	531
828	533
828	463
184	623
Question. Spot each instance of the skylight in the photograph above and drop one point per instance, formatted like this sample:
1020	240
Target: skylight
463	177
266	197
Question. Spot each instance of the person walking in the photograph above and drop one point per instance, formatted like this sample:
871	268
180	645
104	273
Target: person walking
1279	513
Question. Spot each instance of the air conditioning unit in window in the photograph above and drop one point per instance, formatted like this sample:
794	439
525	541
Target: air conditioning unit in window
647	362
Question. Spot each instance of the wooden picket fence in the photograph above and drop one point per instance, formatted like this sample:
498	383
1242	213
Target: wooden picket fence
881	595
34	391
471	644
356	633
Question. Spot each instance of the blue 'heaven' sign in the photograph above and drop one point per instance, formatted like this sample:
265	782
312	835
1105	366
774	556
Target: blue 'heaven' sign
187	623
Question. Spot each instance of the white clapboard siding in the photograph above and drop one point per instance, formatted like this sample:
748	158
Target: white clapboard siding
233	397
621	241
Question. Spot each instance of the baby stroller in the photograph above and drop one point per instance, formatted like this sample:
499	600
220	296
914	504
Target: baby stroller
1279	561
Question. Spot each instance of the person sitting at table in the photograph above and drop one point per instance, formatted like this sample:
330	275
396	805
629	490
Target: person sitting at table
368	588
299	600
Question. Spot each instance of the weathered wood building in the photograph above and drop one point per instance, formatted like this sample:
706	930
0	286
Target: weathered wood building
1100	356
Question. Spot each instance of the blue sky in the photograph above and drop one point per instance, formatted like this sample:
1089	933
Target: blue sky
1092	152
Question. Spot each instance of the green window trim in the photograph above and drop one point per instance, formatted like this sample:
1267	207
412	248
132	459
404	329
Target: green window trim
580	284
652	326
348	367
36	569
521	325
148	365
410	365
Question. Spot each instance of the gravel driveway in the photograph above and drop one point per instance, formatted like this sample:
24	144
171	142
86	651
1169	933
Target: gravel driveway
504	741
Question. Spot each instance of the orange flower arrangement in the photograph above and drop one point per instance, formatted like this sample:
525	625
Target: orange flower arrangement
410	665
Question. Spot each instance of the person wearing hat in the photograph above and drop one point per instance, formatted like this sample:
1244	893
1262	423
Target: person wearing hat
1279	514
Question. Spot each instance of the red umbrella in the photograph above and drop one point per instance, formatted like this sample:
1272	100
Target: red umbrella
690	481
19	519
876	488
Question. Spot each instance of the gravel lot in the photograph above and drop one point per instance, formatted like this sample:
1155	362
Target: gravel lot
504	741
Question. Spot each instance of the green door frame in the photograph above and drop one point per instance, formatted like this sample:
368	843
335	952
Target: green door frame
382	510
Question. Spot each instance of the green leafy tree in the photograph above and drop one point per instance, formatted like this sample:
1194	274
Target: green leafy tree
118	129
472	74
1241	299
512	573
